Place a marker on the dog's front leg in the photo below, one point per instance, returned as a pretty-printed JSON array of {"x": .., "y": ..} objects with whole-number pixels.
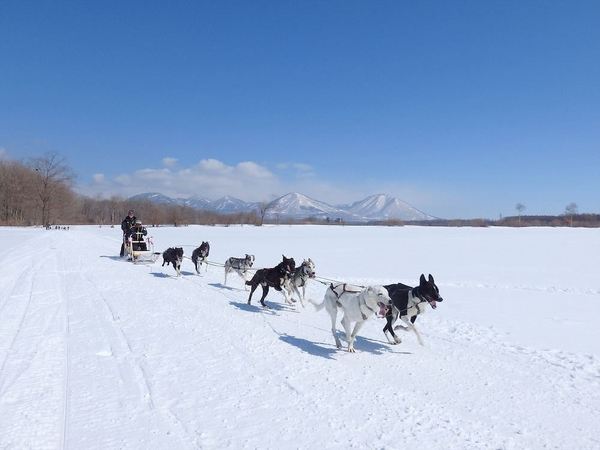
[
  {"x": 412, "y": 327},
  {"x": 357, "y": 328},
  {"x": 265, "y": 288},
  {"x": 286, "y": 296},
  {"x": 390, "y": 319},
  {"x": 346, "y": 325}
]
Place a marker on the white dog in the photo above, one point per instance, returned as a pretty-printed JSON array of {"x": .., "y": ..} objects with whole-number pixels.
[{"x": 357, "y": 305}]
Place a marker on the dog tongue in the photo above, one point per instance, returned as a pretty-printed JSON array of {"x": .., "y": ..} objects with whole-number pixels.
[{"x": 433, "y": 304}]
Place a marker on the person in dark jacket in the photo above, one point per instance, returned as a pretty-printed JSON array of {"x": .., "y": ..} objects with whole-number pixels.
[
  {"x": 137, "y": 233},
  {"x": 126, "y": 225}
]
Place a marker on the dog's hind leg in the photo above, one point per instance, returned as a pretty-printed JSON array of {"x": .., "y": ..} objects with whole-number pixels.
[
  {"x": 226, "y": 272},
  {"x": 254, "y": 286},
  {"x": 333, "y": 314}
]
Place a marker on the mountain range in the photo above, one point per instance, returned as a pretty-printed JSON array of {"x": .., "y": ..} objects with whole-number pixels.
[{"x": 299, "y": 206}]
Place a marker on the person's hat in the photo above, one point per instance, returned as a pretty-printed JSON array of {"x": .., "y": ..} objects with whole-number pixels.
[
  {"x": 131, "y": 211},
  {"x": 138, "y": 222}
]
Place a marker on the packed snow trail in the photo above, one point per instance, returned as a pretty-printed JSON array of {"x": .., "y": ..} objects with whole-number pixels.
[{"x": 96, "y": 352}]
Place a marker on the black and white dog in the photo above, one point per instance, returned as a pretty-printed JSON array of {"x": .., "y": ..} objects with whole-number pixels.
[
  {"x": 173, "y": 255},
  {"x": 407, "y": 303},
  {"x": 238, "y": 265},
  {"x": 199, "y": 255},
  {"x": 274, "y": 277},
  {"x": 298, "y": 279}
]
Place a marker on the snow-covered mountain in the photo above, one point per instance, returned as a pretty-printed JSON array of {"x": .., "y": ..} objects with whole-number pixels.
[
  {"x": 298, "y": 206},
  {"x": 156, "y": 197},
  {"x": 230, "y": 204},
  {"x": 198, "y": 202},
  {"x": 383, "y": 206},
  {"x": 295, "y": 205}
]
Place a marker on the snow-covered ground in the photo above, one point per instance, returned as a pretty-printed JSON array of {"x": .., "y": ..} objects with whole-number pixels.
[{"x": 96, "y": 352}]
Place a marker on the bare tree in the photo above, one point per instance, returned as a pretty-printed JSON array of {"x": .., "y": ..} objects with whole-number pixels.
[
  {"x": 571, "y": 210},
  {"x": 263, "y": 207},
  {"x": 53, "y": 174},
  {"x": 520, "y": 207}
]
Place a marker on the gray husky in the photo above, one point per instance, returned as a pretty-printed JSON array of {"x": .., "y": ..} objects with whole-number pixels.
[
  {"x": 239, "y": 265},
  {"x": 298, "y": 279}
]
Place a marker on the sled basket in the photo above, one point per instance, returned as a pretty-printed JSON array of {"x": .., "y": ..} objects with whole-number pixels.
[{"x": 142, "y": 251}]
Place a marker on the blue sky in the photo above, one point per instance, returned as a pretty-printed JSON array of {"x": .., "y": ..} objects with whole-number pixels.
[{"x": 461, "y": 108}]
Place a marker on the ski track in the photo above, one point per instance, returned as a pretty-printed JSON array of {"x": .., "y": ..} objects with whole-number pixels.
[{"x": 100, "y": 353}]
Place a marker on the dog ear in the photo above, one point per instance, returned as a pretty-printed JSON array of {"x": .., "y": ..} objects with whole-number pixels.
[
  {"x": 422, "y": 279},
  {"x": 431, "y": 279}
]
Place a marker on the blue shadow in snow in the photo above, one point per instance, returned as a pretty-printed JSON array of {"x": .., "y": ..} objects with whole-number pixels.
[
  {"x": 373, "y": 346},
  {"x": 252, "y": 308},
  {"x": 310, "y": 347},
  {"x": 160, "y": 275},
  {"x": 222, "y": 286}
]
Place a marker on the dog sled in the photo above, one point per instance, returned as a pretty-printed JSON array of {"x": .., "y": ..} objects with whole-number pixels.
[{"x": 141, "y": 251}]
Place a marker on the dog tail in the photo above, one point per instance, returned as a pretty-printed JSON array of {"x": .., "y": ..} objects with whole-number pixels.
[
  {"x": 251, "y": 281},
  {"x": 318, "y": 306}
]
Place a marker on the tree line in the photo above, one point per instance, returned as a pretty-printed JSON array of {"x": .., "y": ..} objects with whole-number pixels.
[{"x": 39, "y": 191}]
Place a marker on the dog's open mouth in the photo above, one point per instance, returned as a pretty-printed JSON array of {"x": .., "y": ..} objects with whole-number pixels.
[
  {"x": 383, "y": 309},
  {"x": 433, "y": 303}
]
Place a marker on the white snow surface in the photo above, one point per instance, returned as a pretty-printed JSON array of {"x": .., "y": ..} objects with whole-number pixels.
[{"x": 99, "y": 353}]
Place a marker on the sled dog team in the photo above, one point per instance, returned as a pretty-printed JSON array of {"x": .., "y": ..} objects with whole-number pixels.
[{"x": 357, "y": 304}]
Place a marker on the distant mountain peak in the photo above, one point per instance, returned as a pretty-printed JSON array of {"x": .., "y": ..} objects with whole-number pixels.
[{"x": 299, "y": 206}]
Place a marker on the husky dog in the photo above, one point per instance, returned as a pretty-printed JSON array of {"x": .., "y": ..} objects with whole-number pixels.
[
  {"x": 275, "y": 278},
  {"x": 407, "y": 303},
  {"x": 200, "y": 254},
  {"x": 357, "y": 305},
  {"x": 238, "y": 265},
  {"x": 299, "y": 278},
  {"x": 173, "y": 256}
]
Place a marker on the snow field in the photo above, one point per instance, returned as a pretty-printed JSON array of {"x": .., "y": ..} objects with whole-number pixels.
[{"x": 96, "y": 352}]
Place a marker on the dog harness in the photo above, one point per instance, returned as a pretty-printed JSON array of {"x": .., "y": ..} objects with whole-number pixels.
[
  {"x": 344, "y": 290},
  {"x": 361, "y": 303}
]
